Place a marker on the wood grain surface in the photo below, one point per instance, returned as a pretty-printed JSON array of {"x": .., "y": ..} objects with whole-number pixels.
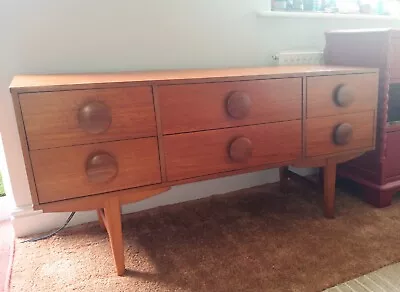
[
  {"x": 101, "y": 167},
  {"x": 35, "y": 83},
  {"x": 60, "y": 173},
  {"x": 25, "y": 148},
  {"x": 201, "y": 153},
  {"x": 329, "y": 188},
  {"x": 52, "y": 118},
  {"x": 194, "y": 107},
  {"x": 97, "y": 141},
  {"x": 320, "y": 133},
  {"x": 113, "y": 224},
  {"x": 321, "y": 99}
]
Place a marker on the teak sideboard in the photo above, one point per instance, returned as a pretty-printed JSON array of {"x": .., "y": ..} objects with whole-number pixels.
[{"x": 97, "y": 141}]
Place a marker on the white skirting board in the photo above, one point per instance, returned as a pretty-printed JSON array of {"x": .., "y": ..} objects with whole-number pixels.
[{"x": 26, "y": 221}]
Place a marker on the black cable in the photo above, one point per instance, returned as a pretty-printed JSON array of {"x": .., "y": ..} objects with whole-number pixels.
[{"x": 53, "y": 233}]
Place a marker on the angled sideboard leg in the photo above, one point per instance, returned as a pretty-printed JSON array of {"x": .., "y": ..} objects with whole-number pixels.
[
  {"x": 329, "y": 188},
  {"x": 100, "y": 215},
  {"x": 321, "y": 176},
  {"x": 112, "y": 221},
  {"x": 328, "y": 177},
  {"x": 283, "y": 178},
  {"x": 108, "y": 207}
]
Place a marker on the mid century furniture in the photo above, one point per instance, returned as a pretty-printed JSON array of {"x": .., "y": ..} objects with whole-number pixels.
[
  {"x": 377, "y": 172},
  {"x": 102, "y": 140}
]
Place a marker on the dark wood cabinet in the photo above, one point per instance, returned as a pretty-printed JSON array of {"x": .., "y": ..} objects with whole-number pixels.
[{"x": 378, "y": 172}]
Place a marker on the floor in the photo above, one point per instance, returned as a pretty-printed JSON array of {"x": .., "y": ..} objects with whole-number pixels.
[
  {"x": 6, "y": 253},
  {"x": 386, "y": 279},
  {"x": 252, "y": 240}
]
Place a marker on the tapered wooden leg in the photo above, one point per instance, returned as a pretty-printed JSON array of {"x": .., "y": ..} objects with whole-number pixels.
[
  {"x": 112, "y": 220},
  {"x": 329, "y": 189},
  {"x": 283, "y": 179},
  {"x": 321, "y": 176},
  {"x": 100, "y": 215}
]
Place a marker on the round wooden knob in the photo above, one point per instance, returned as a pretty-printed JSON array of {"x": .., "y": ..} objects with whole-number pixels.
[
  {"x": 344, "y": 95},
  {"x": 101, "y": 167},
  {"x": 342, "y": 134},
  {"x": 238, "y": 105},
  {"x": 94, "y": 117},
  {"x": 241, "y": 149}
]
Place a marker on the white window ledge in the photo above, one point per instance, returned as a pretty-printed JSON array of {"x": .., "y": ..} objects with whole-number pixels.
[{"x": 287, "y": 14}]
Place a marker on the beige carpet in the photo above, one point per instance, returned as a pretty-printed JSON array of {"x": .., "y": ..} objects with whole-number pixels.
[{"x": 252, "y": 240}]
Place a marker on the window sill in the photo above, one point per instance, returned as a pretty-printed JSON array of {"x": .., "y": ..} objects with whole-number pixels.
[{"x": 287, "y": 14}]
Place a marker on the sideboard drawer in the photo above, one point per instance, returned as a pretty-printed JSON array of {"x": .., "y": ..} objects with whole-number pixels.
[
  {"x": 201, "y": 153},
  {"x": 341, "y": 94},
  {"x": 194, "y": 107},
  {"x": 328, "y": 135},
  {"x": 66, "y": 118},
  {"x": 77, "y": 171}
]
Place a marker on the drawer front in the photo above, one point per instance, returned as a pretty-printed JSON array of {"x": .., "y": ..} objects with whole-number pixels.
[
  {"x": 341, "y": 94},
  {"x": 201, "y": 153},
  {"x": 77, "y": 171},
  {"x": 66, "y": 118},
  {"x": 194, "y": 107},
  {"x": 329, "y": 135}
]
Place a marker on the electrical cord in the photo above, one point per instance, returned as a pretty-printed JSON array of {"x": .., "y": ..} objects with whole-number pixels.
[{"x": 53, "y": 233}]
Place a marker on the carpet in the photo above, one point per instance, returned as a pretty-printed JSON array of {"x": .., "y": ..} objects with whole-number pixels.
[
  {"x": 256, "y": 239},
  {"x": 6, "y": 254}
]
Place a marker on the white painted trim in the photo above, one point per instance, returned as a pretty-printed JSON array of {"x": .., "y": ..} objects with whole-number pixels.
[
  {"x": 24, "y": 211},
  {"x": 27, "y": 221},
  {"x": 321, "y": 15}
]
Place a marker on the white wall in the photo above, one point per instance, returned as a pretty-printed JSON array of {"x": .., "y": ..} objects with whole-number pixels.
[{"x": 47, "y": 36}]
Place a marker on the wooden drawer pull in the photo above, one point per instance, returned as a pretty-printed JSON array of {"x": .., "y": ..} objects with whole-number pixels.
[
  {"x": 238, "y": 104},
  {"x": 343, "y": 96},
  {"x": 94, "y": 117},
  {"x": 241, "y": 149},
  {"x": 343, "y": 134},
  {"x": 101, "y": 167}
]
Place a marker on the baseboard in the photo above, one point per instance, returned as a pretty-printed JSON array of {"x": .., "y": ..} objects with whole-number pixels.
[{"x": 27, "y": 221}]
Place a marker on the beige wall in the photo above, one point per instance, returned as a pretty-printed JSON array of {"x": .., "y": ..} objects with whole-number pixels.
[{"x": 47, "y": 36}]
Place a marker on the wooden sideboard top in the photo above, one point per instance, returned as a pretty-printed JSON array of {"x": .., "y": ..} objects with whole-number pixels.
[
  {"x": 362, "y": 31},
  {"x": 37, "y": 83}
]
